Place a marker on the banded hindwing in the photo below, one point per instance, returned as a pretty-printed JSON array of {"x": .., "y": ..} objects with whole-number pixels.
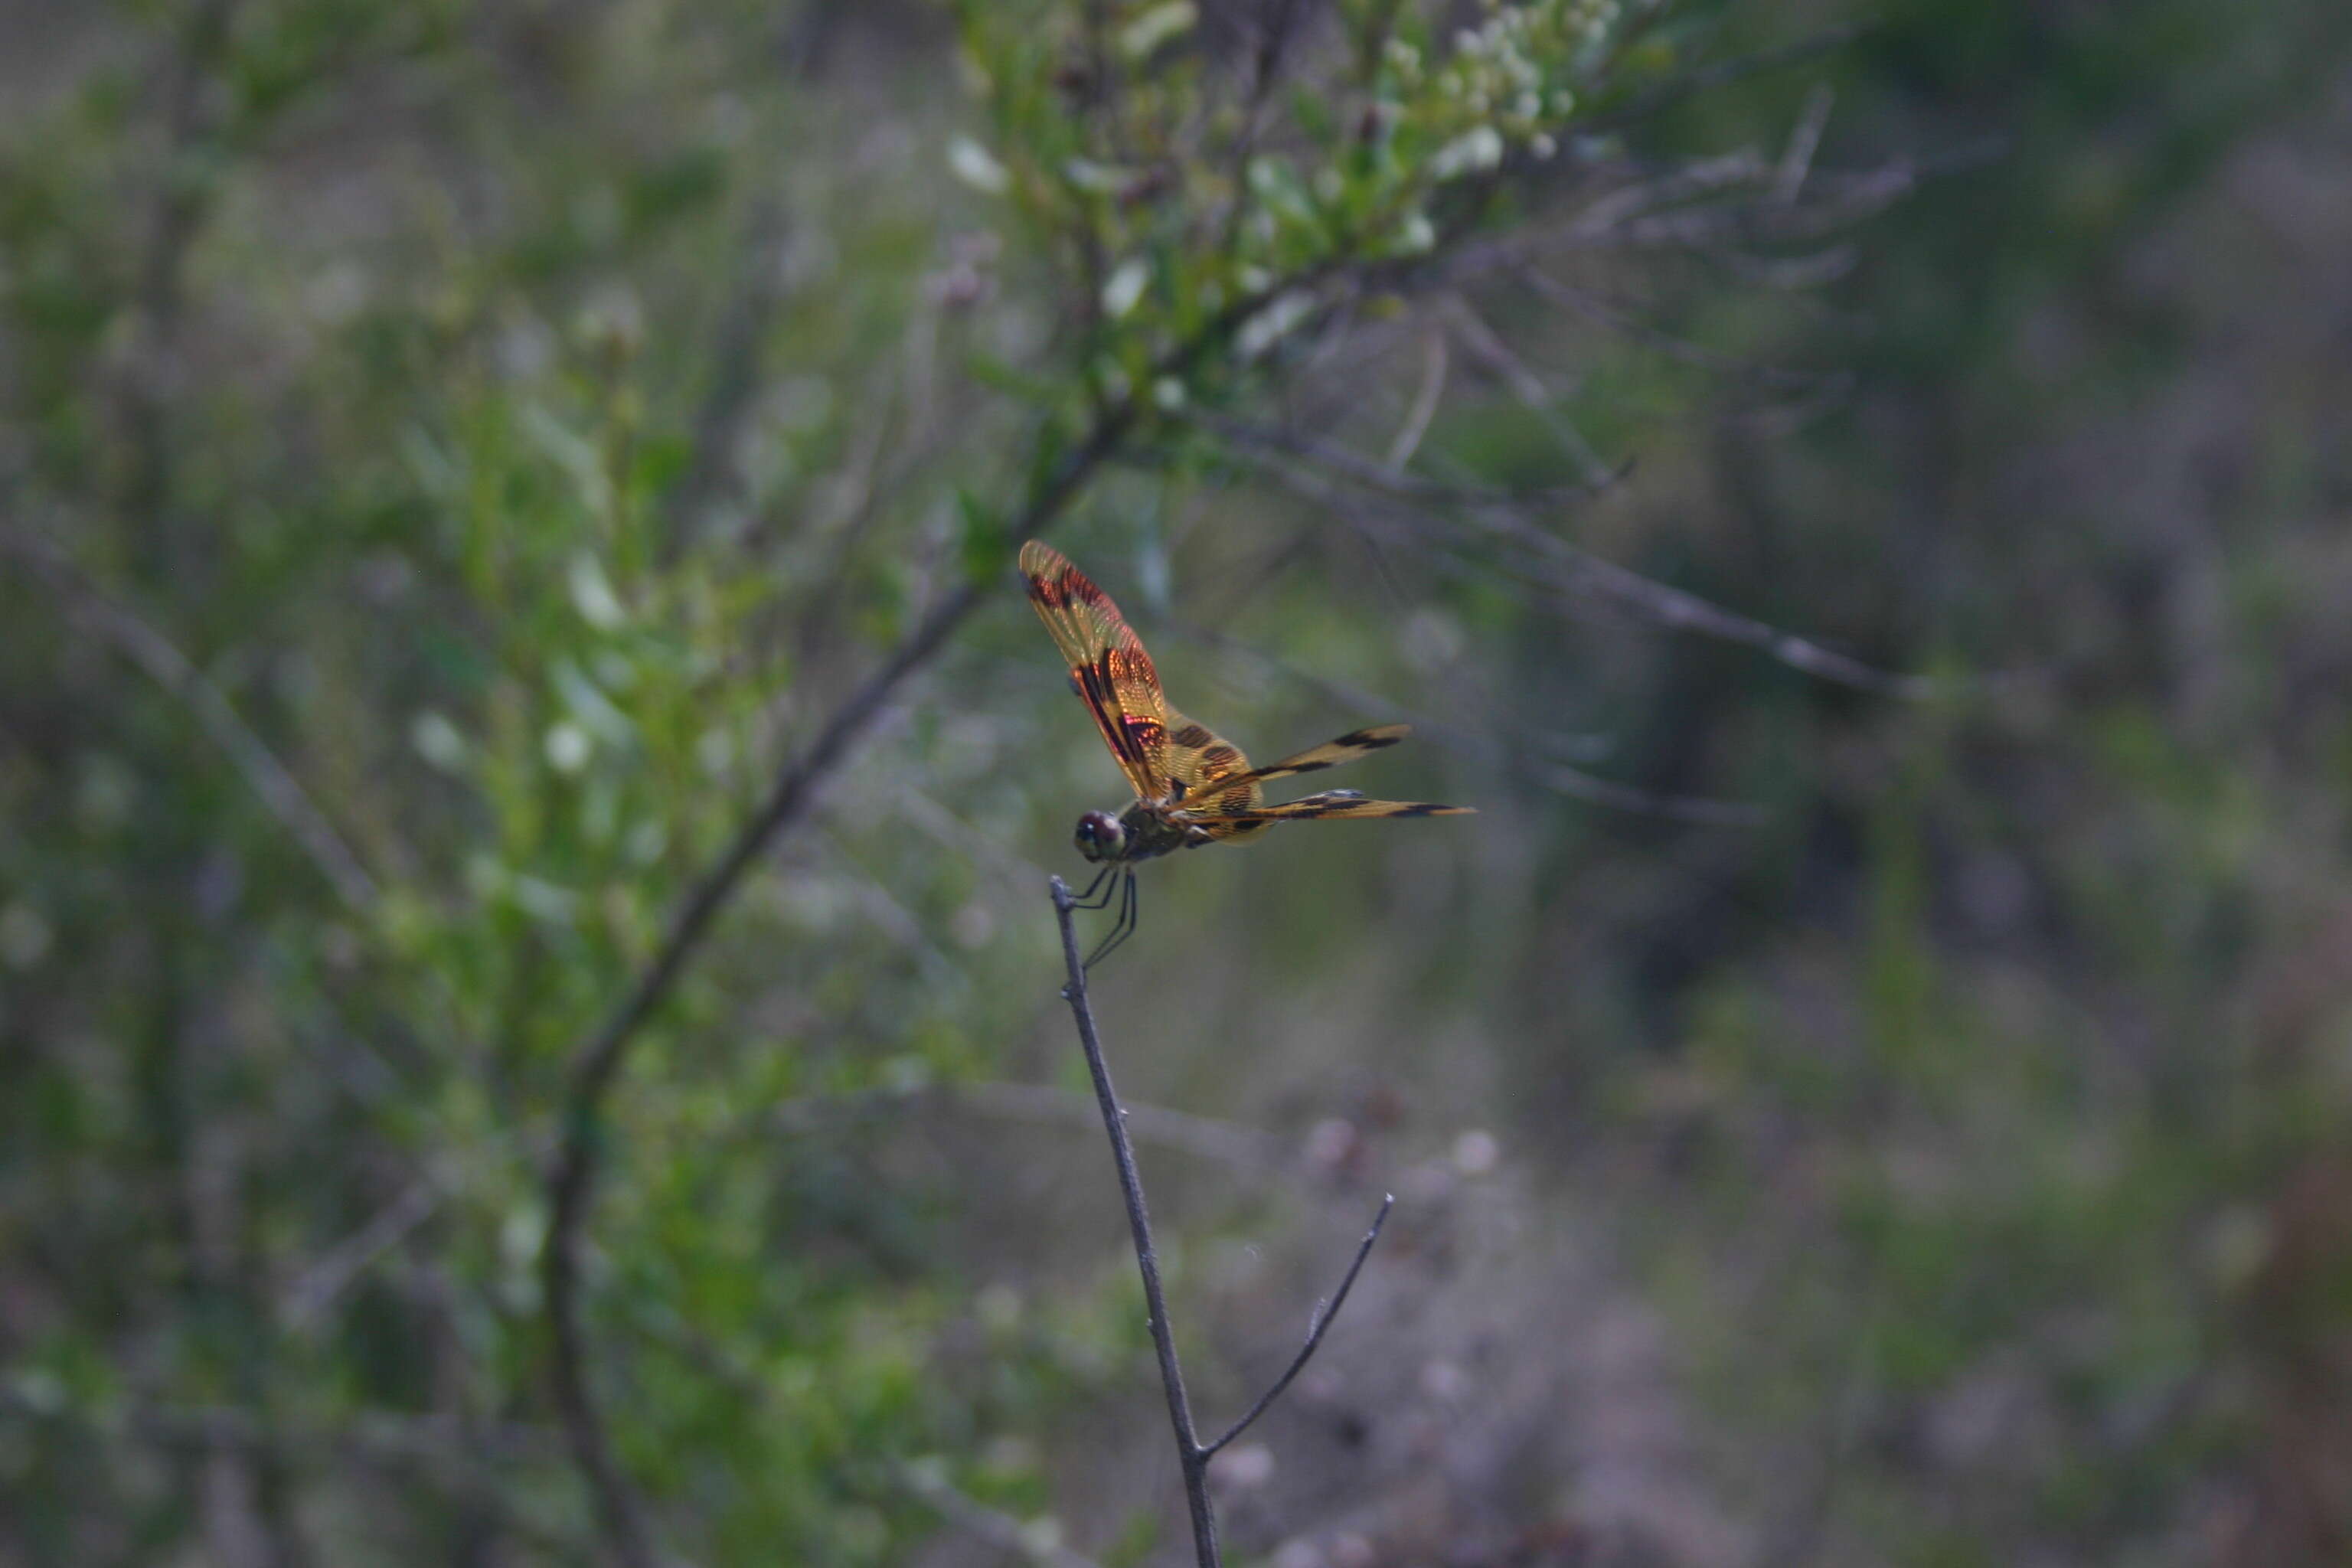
[
  {"x": 1347, "y": 748},
  {"x": 1332, "y": 805},
  {"x": 1208, "y": 767}
]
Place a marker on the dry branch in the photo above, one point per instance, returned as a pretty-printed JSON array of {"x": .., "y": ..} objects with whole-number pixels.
[{"x": 1192, "y": 1455}]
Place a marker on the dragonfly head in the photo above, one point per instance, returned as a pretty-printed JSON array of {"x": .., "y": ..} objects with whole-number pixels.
[{"x": 1100, "y": 837}]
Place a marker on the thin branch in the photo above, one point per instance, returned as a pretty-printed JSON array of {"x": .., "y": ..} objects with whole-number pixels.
[
  {"x": 1551, "y": 773},
  {"x": 1488, "y": 349},
  {"x": 301, "y": 1303},
  {"x": 1847, "y": 199},
  {"x": 1245, "y": 1148},
  {"x": 153, "y": 652},
  {"x": 1425, "y": 398},
  {"x": 1191, "y": 1456},
  {"x": 1565, "y": 570},
  {"x": 1797, "y": 161},
  {"x": 1374, "y": 475},
  {"x": 1318, "y": 1326},
  {"x": 1605, "y": 313},
  {"x": 982, "y": 1522},
  {"x": 1666, "y": 95},
  {"x": 303, "y": 1300}
]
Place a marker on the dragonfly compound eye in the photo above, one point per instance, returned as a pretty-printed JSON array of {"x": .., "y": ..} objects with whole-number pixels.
[{"x": 1100, "y": 837}]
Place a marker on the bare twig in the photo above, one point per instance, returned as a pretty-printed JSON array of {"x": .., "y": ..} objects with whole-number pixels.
[
  {"x": 1546, "y": 771},
  {"x": 1797, "y": 161},
  {"x": 1605, "y": 313},
  {"x": 1626, "y": 219},
  {"x": 1316, "y": 1327},
  {"x": 1407, "y": 440},
  {"x": 1229, "y": 1143},
  {"x": 1489, "y": 350},
  {"x": 1562, "y": 569},
  {"x": 1193, "y": 1458},
  {"x": 154, "y": 653},
  {"x": 1373, "y": 474},
  {"x": 1666, "y": 95},
  {"x": 1192, "y": 1455},
  {"x": 302, "y": 1302},
  {"x": 982, "y": 1522}
]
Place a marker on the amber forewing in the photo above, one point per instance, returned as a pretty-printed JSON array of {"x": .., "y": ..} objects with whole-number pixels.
[{"x": 1108, "y": 665}]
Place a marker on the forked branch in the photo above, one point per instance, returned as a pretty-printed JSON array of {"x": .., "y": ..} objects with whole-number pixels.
[
  {"x": 1192, "y": 1455},
  {"x": 1316, "y": 1328}
]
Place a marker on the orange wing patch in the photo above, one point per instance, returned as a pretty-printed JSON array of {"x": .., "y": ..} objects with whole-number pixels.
[{"x": 1108, "y": 668}]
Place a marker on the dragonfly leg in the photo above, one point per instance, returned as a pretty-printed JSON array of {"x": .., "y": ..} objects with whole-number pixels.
[
  {"x": 1098, "y": 891},
  {"x": 1122, "y": 928}
]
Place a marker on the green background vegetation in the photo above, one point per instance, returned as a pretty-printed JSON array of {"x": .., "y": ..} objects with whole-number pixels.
[{"x": 1880, "y": 1099}]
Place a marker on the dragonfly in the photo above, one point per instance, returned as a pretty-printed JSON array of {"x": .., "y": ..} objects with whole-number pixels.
[{"x": 1191, "y": 786}]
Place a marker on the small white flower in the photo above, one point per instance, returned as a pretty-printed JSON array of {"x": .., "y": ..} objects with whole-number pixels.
[
  {"x": 437, "y": 741},
  {"x": 1125, "y": 286},
  {"x": 593, "y": 596},
  {"x": 976, "y": 166},
  {"x": 567, "y": 747},
  {"x": 1478, "y": 148},
  {"x": 1141, "y": 36},
  {"x": 1274, "y": 323}
]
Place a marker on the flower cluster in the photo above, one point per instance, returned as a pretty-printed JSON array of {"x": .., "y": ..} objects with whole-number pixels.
[
  {"x": 1110, "y": 136},
  {"x": 1504, "y": 80}
]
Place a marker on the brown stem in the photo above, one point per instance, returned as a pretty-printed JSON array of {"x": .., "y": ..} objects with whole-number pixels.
[{"x": 1190, "y": 1454}]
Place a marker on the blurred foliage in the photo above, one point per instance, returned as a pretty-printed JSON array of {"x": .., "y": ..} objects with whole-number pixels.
[{"x": 524, "y": 423}]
